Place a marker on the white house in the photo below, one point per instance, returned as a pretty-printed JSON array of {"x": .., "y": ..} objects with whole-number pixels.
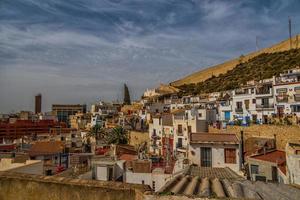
[
  {"x": 186, "y": 122},
  {"x": 215, "y": 150},
  {"x": 287, "y": 93}
]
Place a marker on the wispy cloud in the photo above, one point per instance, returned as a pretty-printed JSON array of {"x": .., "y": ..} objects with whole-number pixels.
[{"x": 86, "y": 49}]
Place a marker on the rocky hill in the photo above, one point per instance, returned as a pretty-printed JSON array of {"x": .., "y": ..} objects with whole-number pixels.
[
  {"x": 262, "y": 66},
  {"x": 229, "y": 65}
]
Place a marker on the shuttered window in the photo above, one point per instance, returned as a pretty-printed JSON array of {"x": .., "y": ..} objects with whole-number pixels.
[{"x": 230, "y": 155}]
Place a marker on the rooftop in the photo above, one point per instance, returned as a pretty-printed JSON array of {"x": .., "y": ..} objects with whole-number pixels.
[
  {"x": 220, "y": 138},
  {"x": 7, "y": 164},
  {"x": 272, "y": 156},
  {"x": 196, "y": 183},
  {"x": 46, "y": 148}
]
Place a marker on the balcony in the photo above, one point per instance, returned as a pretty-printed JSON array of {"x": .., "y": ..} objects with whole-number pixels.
[
  {"x": 297, "y": 97},
  {"x": 179, "y": 133},
  {"x": 282, "y": 98},
  {"x": 264, "y": 92},
  {"x": 239, "y": 110},
  {"x": 264, "y": 106}
]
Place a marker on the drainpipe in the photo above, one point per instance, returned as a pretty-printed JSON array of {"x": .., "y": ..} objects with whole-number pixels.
[{"x": 242, "y": 148}]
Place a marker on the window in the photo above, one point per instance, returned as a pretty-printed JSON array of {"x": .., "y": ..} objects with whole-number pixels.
[
  {"x": 239, "y": 105},
  {"x": 265, "y": 101},
  {"x": 179, "y": 143},
  {"x": 143, "y": 182},
  {"x": 254, "y": 101},
  {"x": 179, "y": 128},
  {"x": 254, "y": 169},
  {"x": 189, "y": 129},
  {"x": 206, "y": 157},
  {"x": 297, "y": 90},
  {"x": 200, "y": 114},
  {"x": 230, "y": 156},
  {"x": 281, "y": 91},
  {"x": 295, "y": 108},
  {"x": 247, "y": 104}
]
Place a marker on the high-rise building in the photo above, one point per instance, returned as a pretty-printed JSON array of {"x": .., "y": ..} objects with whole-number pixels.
[
  {"x": 38, "y": 103},
  {"x": 63, "y": 111}
]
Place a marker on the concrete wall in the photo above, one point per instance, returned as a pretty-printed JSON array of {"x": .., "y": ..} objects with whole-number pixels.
[
  {"x": 264, "y": 168},
  {"x": 33, "y": 187},
  {"x": 148, "y": 178},
  {"x": 293, "y": 163},
  {"x": 283, "y": 133}
]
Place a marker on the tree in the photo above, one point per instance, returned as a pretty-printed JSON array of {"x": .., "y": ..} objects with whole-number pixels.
[
  {"x": 97, "y": 131},
  {"x": 126, "y": 95},
  {"x": 117, "y": 135}
]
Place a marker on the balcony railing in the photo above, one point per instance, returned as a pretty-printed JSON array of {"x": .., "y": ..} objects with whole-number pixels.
[
  {"x": 296, "y": 97},
  {"x": 264, "y": 106},
  {"x": 239, "y": 110},
  {"x": 263, "y": 92},
  {"x": 282, "y": 98}
]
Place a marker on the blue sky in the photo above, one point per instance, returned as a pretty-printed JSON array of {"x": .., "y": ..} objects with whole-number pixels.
[{"x": 78, "y": 51}]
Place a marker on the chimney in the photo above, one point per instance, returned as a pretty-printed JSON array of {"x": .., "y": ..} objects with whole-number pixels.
[{"x": 275, "y": 141}]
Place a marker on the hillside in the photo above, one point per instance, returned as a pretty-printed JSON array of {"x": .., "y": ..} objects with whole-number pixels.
[
  {"x": 263, "y": 66},
  {"x": 224, "y": 67}
]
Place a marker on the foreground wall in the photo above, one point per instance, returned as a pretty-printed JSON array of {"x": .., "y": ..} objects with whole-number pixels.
[{"x": 15, "y": 186}]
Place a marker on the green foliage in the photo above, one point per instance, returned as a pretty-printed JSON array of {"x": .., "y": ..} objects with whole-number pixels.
[
  {"x": 97, "y": 131},
  {"x": 117, "y": 135},
  {"x": 126, "y": 95},
  {"x": 260, "y": 67}
]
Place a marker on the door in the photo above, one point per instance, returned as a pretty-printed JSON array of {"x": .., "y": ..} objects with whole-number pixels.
[
  {"x": 227, "y": 115},
  {"x": 274, "y": 174},
  {"x": 206, "y": 157},
  {"x": 110, "y": 174}
]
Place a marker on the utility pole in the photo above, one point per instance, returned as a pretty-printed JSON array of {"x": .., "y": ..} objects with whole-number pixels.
[
  {"x": 256, "y": 43},
  {"x": 290, "y": 31}
]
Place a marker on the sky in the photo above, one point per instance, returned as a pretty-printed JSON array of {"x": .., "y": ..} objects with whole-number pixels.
[{"x": 80, "y": 51}]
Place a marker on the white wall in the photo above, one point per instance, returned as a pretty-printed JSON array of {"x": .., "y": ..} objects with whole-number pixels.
[
  {"x": 218, "y": 158},
  {"x": 148, "y": 178},
  {"x": 102, "y": 173},
  {"x": 293, "y": 166}
]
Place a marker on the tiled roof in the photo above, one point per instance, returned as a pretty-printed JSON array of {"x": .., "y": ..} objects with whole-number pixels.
[
  {"x": 214, "y": 138},
  {"x": 46, "y": 148},
  {"x": 273, "y": 156},
  {"x": 128, "y": 157},
  {"x": 191, "y": 185}
]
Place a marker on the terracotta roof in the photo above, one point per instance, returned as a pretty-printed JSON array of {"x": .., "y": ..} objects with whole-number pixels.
[
  {"x": 213, "y": 138},
  {"x": 282, "y": 168},
  {"x": 273, "y": 156},
  {"x": 195, "y": 183},
  {"x": 46, "y": 148},
  {"x": 128, "y": 157}
]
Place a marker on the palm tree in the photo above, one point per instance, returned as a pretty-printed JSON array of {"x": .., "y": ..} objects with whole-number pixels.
[
  {"x": 117, "y": 135},
  {"x": 97, "y": 131}
]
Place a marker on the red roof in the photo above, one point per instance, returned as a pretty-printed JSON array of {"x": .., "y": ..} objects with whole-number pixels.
[
  {"x": 46, "y": 148},
  {"x": 214, "y": 138},
  {"x": 128, "y": 157},
  {"x": 273, "y": 156}
]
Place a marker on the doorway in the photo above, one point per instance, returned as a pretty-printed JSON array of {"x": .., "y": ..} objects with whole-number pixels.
[{"x": 206, "y": 157}]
